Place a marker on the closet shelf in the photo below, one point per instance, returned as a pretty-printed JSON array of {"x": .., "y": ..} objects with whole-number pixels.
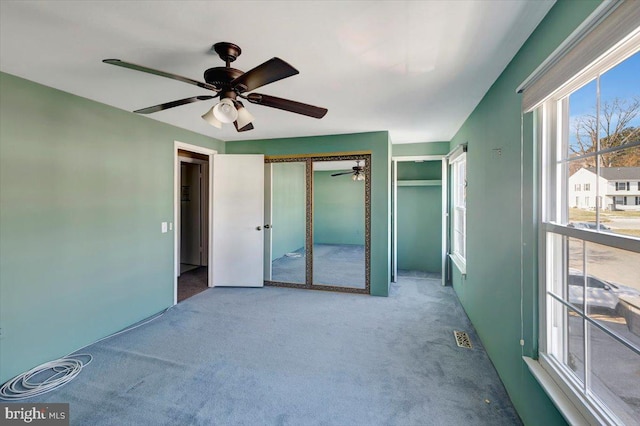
[{"x": 419, "y": 183}]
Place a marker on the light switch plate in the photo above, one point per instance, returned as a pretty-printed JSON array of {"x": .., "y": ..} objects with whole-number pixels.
[{"x": 164, "y": 227}]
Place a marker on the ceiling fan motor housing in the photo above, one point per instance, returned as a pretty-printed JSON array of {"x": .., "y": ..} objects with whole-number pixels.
[{"x": 222, "y": 77}]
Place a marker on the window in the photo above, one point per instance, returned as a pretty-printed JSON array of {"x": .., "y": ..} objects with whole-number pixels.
[
  {"x": 586, "y": 201},
  {"x": 637, "y": 201},
  {"x": 587, "y": 187},
  {"x": 623, "y": 186},
  {"x": 459, "y": 209},
  {"x": 590, "y": 339},
  {"x": 577, "y": 187}
]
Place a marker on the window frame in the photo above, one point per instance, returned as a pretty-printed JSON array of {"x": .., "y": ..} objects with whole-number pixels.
[
  {"x": 458, "y": 208},
  {"x": 550, "y": 133}
]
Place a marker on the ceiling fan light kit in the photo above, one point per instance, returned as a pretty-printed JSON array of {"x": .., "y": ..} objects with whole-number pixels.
[
  {"x": 210, "y": 118},
  {"x": 244, "y": 116},
  {"x": 225, "y": 111},
  {"x": 230, "y": 84}
]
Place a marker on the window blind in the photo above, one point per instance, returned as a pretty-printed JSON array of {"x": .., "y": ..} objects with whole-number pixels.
[{"x": 613, "y": 22}]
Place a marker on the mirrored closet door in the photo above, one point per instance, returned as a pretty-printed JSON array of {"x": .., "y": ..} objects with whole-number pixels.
[
  {"x": 285, "y": 231},
  {"x": 318, "y": 214}
]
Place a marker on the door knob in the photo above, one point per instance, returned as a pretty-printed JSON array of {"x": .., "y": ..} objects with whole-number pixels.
[
  {"x": 267, "y": 226},
  {"x": 258, "y": 228}
]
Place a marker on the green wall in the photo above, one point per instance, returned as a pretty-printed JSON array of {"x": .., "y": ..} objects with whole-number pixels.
[
  {"x": 83, "y": 190},
  {"x": 491, "y": 292},
  {"x": 338, "y": 209},
  {"x": 288, "y": 208},
  {"x": 421, "y": 148},
  {"x": 379, "y": 145},
  {"x": 427, "y": 170}
]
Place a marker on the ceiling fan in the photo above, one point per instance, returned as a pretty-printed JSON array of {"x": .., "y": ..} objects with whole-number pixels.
[
  {"x": 230, "y": 84},
  {"x": 357, "y": 171}
]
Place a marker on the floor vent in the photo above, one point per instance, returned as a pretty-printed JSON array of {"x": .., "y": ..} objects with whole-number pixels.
[{"x": 462, "y": 339}]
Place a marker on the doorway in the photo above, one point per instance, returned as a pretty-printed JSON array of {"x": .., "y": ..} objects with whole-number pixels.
[
  {"x": 192, "y": 206},
  {"x": 417, "y": 216},
  {"x": 193, "y": 224}
]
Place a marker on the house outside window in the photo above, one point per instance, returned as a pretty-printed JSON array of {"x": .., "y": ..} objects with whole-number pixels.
[
  {"x": 459, "y": 210},
  {"x": 605, "y": 179},
  {"x": 589, "y": 280},
  {"x": 577, "y": 187}
]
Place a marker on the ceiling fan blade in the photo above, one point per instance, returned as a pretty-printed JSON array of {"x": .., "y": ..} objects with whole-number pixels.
[
  {"x": 245, "y": 128},
  {"x": 142, "y": 68},
  {"x": 343, "y": 173},
  {"x": 172, "y": 104},
  {"x": 273, "y": 70},
  {"x": 287, "y": 105}
]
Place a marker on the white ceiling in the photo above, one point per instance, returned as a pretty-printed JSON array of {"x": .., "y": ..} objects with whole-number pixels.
[{"x": 415, "y": 68}]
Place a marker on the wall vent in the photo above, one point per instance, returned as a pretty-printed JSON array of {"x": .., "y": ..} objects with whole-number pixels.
[{"x": 462, "y": 339}]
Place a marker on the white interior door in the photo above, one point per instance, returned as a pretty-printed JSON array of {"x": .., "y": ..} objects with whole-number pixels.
[{"x": 238, "y": 221}]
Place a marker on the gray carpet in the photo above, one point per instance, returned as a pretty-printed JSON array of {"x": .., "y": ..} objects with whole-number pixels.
[
  {"x": 339, "y": 265},
  {"x": 279, "y": 356}
]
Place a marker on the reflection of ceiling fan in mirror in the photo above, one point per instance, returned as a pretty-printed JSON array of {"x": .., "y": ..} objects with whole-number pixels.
[
  {"x": 229, "y": 84},
  {"x": 357, "y": 172}
]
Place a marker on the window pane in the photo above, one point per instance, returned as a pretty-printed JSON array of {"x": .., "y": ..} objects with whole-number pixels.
[
  {"x": 581, "y": 195},
  {"x": 614, "y": 378},
  {"x": 572, "y": 354},
  {"x": 613, "y": 290},
  {"x": 582, "y": 124},
  {"x": 575, "y": 344},
  {"x": 575, "y": 274},
  {"x": 620, "y": 103},
  {"x": 620, "y": 188}
]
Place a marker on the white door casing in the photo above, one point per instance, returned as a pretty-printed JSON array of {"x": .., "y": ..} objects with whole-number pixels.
[
  {"x": 268, "y": 242},
  {"x": 237, "y": 230},
  {"x": 176, "y": 207}
]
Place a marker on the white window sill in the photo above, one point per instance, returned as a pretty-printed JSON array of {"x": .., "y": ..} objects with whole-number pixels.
[
  {"x": 460, "y": 263},
  {"x": 566, "y": 401}
]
